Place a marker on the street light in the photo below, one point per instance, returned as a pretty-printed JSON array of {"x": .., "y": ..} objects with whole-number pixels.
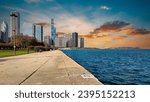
[
  {"x": 14, "y": 30},
  {"x": 14, "y": 42}
]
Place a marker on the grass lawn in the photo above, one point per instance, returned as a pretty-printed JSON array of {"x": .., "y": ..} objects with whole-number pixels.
[{"x": 6, "y": 53}]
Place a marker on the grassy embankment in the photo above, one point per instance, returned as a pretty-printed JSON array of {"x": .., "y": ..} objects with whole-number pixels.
[{"x": 7, "y": 53}]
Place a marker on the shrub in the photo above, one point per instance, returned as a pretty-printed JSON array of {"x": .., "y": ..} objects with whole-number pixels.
[
  {"x": 5, "y": 46},
  {"x": 39, "y": 48}
]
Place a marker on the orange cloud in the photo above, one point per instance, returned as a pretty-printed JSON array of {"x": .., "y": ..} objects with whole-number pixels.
[
  {"x": 140, "y": 32},
  {"x": 127, "y": 30},
  {"x": 147, "y": 38},
  {"x": 90, "y": 36},
  {"x": 125, "y": 38},
  {"x": 135, "y": 31},
  {"x": 114, "y": 26},
  {"x": 120, "y": 26},
  {"x": 120, "y": 37},
  {"x": 60, "y": 33},
  {"x": 114, "y": 42}
]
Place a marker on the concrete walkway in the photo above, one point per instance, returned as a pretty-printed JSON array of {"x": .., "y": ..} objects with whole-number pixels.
[{"x": 46, "y": 68}]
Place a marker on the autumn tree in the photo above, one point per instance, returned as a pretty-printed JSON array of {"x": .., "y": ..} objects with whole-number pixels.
[{"x": 24, "y": 41}]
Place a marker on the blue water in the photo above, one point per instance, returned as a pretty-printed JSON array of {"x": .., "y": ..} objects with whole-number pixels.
[{"x": 115, "y": 67}]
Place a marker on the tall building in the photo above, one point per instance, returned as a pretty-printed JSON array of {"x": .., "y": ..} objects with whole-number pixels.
[
  {"x": 68, "y": 40},
  {"x": 47, "y": 40},
  {"x": 59, "y": 42},
  {"x": 53, "y": 32},
  {"x": 59, "y": 39},
  {"x": 75, "y": 39},
  {"x": 4, "y": 32},
  {"x": 81, "y": 42},
  {"x": 14, "y": 23},
  {"x": 42, "y": 31},
  {"x": 34, "y": 30}
]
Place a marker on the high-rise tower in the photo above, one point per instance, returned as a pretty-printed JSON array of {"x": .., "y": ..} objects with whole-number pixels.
[
  {"x": 4, "y": 31},
  {"x": 14, "y": 23},
  {"x": 81, "y": 42},
  {"x": 75, "y": 39},
  {"x": 53, "y": 32}
]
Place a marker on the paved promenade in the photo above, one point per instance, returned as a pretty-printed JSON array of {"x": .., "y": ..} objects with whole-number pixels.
[{"x": 45, "y": 68}]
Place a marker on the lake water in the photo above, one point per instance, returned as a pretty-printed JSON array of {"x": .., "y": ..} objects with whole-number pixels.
[{"x": 115, "y": 66}]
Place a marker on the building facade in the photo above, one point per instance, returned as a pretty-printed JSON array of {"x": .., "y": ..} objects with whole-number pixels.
[
  {"x": 68, "y": 40},
  {"x": 14, "y": 23},
  {"x": 81, "y": 42},
  {"x": 75, "y": 39},
  {"x": 53, "y": 32},
  {"x": 59, "y": 41},
  {"x": 4, "y": 32}
]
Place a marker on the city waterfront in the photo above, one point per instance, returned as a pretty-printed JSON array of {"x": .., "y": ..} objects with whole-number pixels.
[
  {"x": 115, "y": 66},
  {"x": 62, "y": 24}
]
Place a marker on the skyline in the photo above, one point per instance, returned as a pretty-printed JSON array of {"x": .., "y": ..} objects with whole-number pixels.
[{"x": 88, "y": 19}]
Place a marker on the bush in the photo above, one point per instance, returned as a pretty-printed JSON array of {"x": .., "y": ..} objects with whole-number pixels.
[
  {"x": 5, "y": 46},
  {"x": 39, "y": 48},
  {"x": 30, "y": 47}
]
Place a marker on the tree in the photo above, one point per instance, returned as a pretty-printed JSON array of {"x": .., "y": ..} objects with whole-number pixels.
[{"x": 22, "y": 41}]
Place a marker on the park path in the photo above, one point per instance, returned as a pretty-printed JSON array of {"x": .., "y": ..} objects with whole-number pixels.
[{"x": 45, "y": 68}]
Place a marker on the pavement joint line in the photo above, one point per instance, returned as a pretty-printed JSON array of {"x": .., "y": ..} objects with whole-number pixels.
[
  {"x": 33, "y": 72},
  {"x": 67, "y": 71}
]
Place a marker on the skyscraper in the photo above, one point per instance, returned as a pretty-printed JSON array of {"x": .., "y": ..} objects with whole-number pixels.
[
  {"x": 4, "y": 32},
  {"x": 14, "y": 23},
  {"x": 34, "y": 30},
  {"x": 68, "y": 40},
  {"x": 81, "y": 42},
  {"x": 75, "y": 39},
  {"x": 53, "y": 32}
]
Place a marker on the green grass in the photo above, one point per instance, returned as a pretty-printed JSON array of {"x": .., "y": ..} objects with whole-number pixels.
[{"x": 7, "y": 53}]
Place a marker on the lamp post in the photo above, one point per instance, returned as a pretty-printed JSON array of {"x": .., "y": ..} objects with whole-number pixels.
[
  {"x": 14, "y": 30},
  {"x": 14, "y": 42}
]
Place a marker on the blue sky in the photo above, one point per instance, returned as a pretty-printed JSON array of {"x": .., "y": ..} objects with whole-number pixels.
[{"x": 82, "y": 16}]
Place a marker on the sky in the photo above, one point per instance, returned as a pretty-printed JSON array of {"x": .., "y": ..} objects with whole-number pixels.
[{"x": 103, "y": 23}]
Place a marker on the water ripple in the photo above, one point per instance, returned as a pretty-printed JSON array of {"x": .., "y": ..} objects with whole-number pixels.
[{"x": 115, "y": 67}]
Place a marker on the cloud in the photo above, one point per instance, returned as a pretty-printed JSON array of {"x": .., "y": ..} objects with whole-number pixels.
[
  {"x": 104, "y": 8},
  {"x": 120, "y": 37},
  {"x": 29, "y": 16},
  {"x": 110, "y": 41},
  {"x": 111, "y": 26},
  {"x": 49, "y": 0},
  {"x": 56, "y": 8},
  {"x": 115, "y": 25},
  {"x": 32, "y": 1},
  {"x": 140, "y": 32},
  {"x": 135, "y": 31},
  {"x": 147, "y": 39},
  {"x": 91, "y": 36},
  {"x": 16, "y": 9},
  {"x": 120, "y": 27},
  {"x": 104, "y": 36},
  {"x": 37, "y": 1},
  {"x": 69, "y": 23},
  {"x": 117, "y": 34}
]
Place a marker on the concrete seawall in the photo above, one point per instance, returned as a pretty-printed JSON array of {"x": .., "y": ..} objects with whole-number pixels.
[{"x": 46, "y": 68}]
